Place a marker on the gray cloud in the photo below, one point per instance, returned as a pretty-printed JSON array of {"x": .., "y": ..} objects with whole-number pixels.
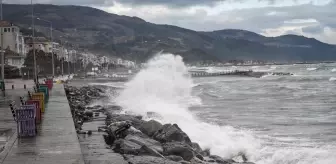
[
  {"x": 254, "y": 19},
  {"x": 170, "y": 3},
  {"x": 313, "y": 29},
  {"x": 63, "y": 2}
]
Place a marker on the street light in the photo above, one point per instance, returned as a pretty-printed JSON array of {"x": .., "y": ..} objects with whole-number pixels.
[
  {"x": 33, "y": 37},
  {"x": 52, "y": 46},
  {"x": 2, "y": 52}
]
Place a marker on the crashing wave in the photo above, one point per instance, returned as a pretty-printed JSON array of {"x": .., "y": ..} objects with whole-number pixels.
[{"x": 311, "y": 69}]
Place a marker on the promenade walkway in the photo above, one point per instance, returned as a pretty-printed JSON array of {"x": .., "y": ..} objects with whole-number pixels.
[{"x": 56, "y": 141}]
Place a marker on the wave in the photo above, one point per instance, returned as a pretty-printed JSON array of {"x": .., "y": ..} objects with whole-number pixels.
[
  {"x": 333, "y": 70},
  {"x": 332, "y": 79},
  {"x": 164, "y": 89},
  {"x": 311, "y": 69},
  {"x": 113, "y": 85}
]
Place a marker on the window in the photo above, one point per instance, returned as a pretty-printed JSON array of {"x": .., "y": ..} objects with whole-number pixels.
[
  {"x": 13, "y": 29},
  {"x": 5, "y": 29},
  {"x": 8, "y": 29}
]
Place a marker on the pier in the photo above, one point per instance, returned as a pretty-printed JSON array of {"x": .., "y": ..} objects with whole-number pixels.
[
  {"x": 248, "y": 73},
  {"x": 56, "y": 140}
]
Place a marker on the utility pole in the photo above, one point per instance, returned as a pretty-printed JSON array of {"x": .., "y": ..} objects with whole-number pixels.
[
  {"x": 2, "y": 51},
  {"x": 62, "y": 58},
  {"x": 75, "y": 62},
  {"x": 52, "y": 51},
  {"x": 33, "y": 31},
  {"x": 52, "y": 46},
  {"x": 68, "y": 64}
]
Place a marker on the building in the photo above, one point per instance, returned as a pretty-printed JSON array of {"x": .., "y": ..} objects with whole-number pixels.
[
  {"x": 12, "y": 38},
  {"x": 41, "y": 43},
  {"x": 16, "y": 61}
]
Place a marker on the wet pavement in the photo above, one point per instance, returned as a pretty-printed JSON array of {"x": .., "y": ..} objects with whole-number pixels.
[
  {"x": 94, "y": 149},
  {"x": 56, "y": 140},
  {"x": 7, "y": 123}
]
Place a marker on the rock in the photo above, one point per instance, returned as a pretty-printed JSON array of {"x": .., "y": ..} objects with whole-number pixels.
[
  {"x": 145, "y": 150},
  {"x": 147, "y": 160},
  {"x": 169, "y": 133},
  {"x": 174, "y": 158},
  {"x": 81, "y": 132},
  {"x": 196, "y": 147},
  {"x": 205, "y": 152},
  {"x": 196, "y": 161},
  {"x": 119, "y": 129},
  {"x": 89, "y": 113},
  {"x": 139, "y": 117},
  {"x": 2, "y": 148},
  {"x": 150, "y": 127},
  {"x": 123, "y": 146},
  {"x": 109, "y": 139},
  {"x": 180, "y": 149},
  {"x": 134, "y": 131},
  {"x": 199, "y": 157},
  {"x": 89, "y": 132},
  {"x": 153, "y": 115},
  {"x": 220, "y": 160},
  {"x": 112, "y": 108},
  {"x": 134, "y": 120},
  {"x": 209, "y": 160},
  {"x": 143, "y": 140}
]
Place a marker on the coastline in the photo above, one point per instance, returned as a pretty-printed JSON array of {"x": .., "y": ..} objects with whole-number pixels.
[{"x": 129, "y": 138}]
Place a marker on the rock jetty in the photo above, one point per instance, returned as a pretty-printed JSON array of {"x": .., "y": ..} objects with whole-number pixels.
[{"x": 137, "y": 140}]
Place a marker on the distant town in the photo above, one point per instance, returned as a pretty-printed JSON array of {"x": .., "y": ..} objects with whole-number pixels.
[{"x": 17, "y": 47}]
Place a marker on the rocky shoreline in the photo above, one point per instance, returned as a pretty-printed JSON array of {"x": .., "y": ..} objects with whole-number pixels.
[{"x": 136, "y": 140}]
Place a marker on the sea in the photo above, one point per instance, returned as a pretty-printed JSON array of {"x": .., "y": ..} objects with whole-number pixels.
[{"x": 272, "y": 119}]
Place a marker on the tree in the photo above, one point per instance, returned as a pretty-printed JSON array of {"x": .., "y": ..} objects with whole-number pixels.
[{"x": 43, "y": 61}]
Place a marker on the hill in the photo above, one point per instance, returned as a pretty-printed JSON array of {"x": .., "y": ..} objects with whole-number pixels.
[{"x": 134, "y": 38}]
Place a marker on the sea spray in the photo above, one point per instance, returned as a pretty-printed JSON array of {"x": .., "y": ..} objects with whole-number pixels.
[{"x": 164, "y": 87}]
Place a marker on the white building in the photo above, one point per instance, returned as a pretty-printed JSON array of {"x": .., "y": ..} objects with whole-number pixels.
[
  {"x": 43, "y": 44},
  {"x": 16, "y": 61},
  {"x": 12, "y": 38}
]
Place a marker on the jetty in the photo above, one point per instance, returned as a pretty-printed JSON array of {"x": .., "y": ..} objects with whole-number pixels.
[{"x": 248, "y": 73}]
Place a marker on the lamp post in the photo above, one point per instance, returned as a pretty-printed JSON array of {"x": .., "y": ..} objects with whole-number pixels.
[
  {"x": 2, "y": 52},
  {"x": 52, "y": 46},
  {"x": 33, "y": 37}
]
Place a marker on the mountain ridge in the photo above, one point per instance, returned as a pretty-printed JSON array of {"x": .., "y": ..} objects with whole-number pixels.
[{"x": 136, "y": 39}]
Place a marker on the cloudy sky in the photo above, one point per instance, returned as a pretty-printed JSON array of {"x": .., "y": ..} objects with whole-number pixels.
[{"x": 311, "y": 18}]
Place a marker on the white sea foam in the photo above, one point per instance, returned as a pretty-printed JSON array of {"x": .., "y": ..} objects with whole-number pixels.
[
  {"x": 332, "y": 79},
  {"x": 165, "y": 88},
  {"x": 333, "y": 70},
  {"x": 311, "y": 69},
  {"x": 273, "y": 67}
]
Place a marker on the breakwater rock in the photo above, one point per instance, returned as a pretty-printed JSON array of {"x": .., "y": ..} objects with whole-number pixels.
[
  {"x": 138, "y": 141},
  {"x": 248, "y": 73}
]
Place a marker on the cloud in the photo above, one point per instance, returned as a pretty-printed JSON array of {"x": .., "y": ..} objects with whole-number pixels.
[
  {"x": 311, "y": 18},
  {"x": 63, "y": 2},
  {"x": 169, "y": 3},
  {"x": 313, "y": 29}
]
